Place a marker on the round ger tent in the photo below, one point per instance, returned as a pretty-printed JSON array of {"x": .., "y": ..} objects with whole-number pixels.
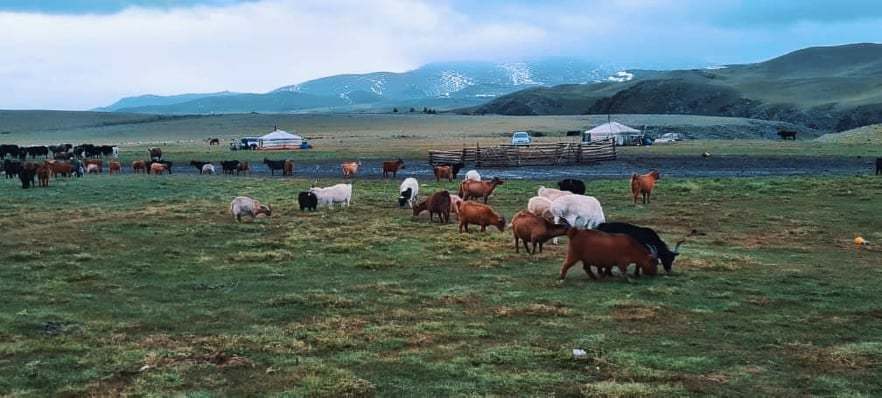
[
  {"x": 279, "y": 139},
  {"x": 621, "y": 134}
]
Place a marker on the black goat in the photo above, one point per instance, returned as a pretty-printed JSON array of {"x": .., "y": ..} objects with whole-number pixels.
[
  {"x": 230, "y": 166},
  {"x": 572, "y": 185},
  {"x": 647, "y": 237},
  {"x": 307, "y": 200}
]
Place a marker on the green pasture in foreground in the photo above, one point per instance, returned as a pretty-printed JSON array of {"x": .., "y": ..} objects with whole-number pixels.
[{"x": 144, "y": 286}]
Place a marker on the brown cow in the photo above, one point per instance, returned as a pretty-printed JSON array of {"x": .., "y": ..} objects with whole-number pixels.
[
  {"x": 392, "y": 167},
  {"x": 43, "y": 174},
  {"x": 643, "y": 184},
  {"x": 478, "y": 189},
  {"x": 61, "y": 168},
  {"x": 115, "y": 167}
]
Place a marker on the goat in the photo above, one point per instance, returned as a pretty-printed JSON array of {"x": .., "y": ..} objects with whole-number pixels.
[
  {"x": 139, "y": 166},
  {"x": 533, "y": 229},
  {"x": 288, "y": 168},
  {"x": 166, "y": 163},
  {"x": 540, "y": 206},
  {"x": 455, "y": 201},
  {"x": 157, "y": 168},
  {"x": 307, "y": 201},
  {"x": 572, "y": 185},
  {"x": 198, "y": 164},
  {"x": 478, "y": 189},
  {"x": 274, "y": 165},
  {"x": 97, "y": 162},
  {"x": 230, "y": 166},
  {"x": 473, "y": 175},
  {"x": 643, "y": 184},
  {"x": 207, "y": 168},
  {"x": 92, "y": 168},
  {"x": 408, "y": 192},
  {"x": 551, "y": 193},
  {"x": 606, "y": 251},
  {"x": 647, "y": 237},
  {"x": 11, "y": 168},
  {"x": 340, "y": 193},
  {"x": 62, "y": 169},
  {"x": 392, "y": 167},
  {"x": 155, "y": 154},
  {"x": 26, "y": 174},
  {"x": 580, "y": 211},
  {"x": 480, "y": 214},
  {"x": 437, "y": 203},
  {"x": 245, "y": 206},
  {"x": 115, "y": 167},
  {"x": 244, "y": 168},
  {"x": 349, "y": 169},
  {"x": 43, "y": 172}
]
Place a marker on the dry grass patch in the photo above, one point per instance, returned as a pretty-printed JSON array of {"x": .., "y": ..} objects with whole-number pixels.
[{"x": 553, "y": 309}]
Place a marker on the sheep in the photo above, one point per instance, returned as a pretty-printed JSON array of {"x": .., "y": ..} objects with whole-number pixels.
[
  {"x": 643, "y": 184},
  {"x": 245, "y": 206},
  {"x": 473, "y": 175},
  {"x": 606, "y": 251},
  {"x": 480, "y": 214},
  {"x": 207, "y": 168},
  {"x": 647, "y": 237},
  {"x": 340, "y": 193},
  {"x": 573, "y": 185},
  {"x": 307, "y": 201},
  {"x": 408, "y": 192},
  {"x": 528, "y": 227},
  {"x": 551, "y": 193},
  {"x": 540, "y": 206},
  {"x": 437, "y": 203},
  {"x": 478, "y": 189},
  {"x": 580, "y": 211}
]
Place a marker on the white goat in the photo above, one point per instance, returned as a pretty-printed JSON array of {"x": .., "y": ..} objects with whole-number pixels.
[
  {"x": 245, "y": 206},
  {"x": 408, "y": 192},
  {"x": 455, "y": 201},
  {"x": 580, "y": 211},
  {"x": 473, "y": 175},
  {"x": 340, "y": 193},
  {"x": 208, "y": 169},
  {"x": 551, "y": 193},
  {"x": 540, "y": 206}
]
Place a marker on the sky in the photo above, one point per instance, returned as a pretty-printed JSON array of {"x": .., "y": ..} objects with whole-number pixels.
[{"x": 82, "y": 54}]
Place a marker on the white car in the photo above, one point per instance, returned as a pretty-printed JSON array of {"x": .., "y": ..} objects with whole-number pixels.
[
  {"x": 667, "y": 138},
  {"x": 521, "y": 138}
]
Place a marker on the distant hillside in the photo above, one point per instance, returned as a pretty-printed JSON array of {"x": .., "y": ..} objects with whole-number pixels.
[
  {"x": 439, "y": 85},
  {"x": 828, "y": 88},
  {"x": 871, "y": 134}
]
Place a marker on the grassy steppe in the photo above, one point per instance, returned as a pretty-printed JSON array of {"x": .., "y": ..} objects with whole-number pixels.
[{"x": 144, "y": 286}]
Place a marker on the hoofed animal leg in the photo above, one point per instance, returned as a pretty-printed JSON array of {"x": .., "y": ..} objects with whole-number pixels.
[{"x": 565, "y": 267}]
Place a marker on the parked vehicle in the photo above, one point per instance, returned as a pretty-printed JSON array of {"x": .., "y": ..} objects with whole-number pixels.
[
  {"x": 668, "y": 138},
  {"x": 521, "y": 138},
  {"x": 245, "y": 144}
]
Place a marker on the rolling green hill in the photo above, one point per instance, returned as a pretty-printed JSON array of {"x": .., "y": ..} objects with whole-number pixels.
[{"x": 826, "y": 88}]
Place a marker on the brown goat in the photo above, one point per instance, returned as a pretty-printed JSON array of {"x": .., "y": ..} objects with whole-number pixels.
[
  {"x": 115, "y": 167},
  {"x": 392, "y": 167},
  {"x": 97, "y": 162},
  {"x": 243, "y": 167},
  {"x": 605, "y": 251},
  {"x": 158, "y": 168},
  {"x": 480, "y": 214},
  {"x": 438, "y": 203},
  {"x": 443, "y": 172},
  {"x": 349, "y": 168},
  {"x": 528, "y": 227},
  {"x": 139, "y": 166},
  {"x": 43, "y": 174},
  {"x": 643, "y": 184},
  {"x": 288, "y": 170},
  {"x": 61, "y": 168},
  {"x": 469, "y": 189}
]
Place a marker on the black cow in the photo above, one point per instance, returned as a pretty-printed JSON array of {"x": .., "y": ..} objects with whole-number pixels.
[
  {"x": 787, "y": 134},
  {"x": 35, "y": 151},
  {"x": 572, "y": 185},
  {"x": 28, "y": 175},
  {"x": 11, "y": 150},
  {"x": 63, "y": 155},
  {"x": 105, "y": 150},
  {"x": 274, "y": 165},
  {"x": 647, "y": 237},
  {"x": 878, "y": 166},
  {"x": 56, "y": 149},
  {"x": 454, "y": 168},
  {"x": 307, "y": 200},
  {"x": 11, "y": 167},
  {"x": 230, "y": 166}
]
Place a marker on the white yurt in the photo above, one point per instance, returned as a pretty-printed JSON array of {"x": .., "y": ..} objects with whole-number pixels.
[
  {"x": 621, "y": 134},
  {"x": 279, "y": 139}
]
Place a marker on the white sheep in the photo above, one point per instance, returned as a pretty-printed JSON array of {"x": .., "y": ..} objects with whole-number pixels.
[
  {"x": 580, "y": 211},
  {"x": 408, "y": 192},
  {"x": 551, "y": 193},
  {"x": 340, "y": 193},
  {"x": 473, "y": 175},
  {"x": 208, "y": 169},
  {"x": 245, "y": 206},
  {"x": 540, "y": 206}
]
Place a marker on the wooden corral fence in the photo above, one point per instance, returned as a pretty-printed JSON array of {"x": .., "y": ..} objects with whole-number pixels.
[{"x": 528, "y": 155}]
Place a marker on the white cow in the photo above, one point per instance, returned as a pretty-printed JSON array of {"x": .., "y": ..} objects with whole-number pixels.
[{"x": 340, "y": 193}]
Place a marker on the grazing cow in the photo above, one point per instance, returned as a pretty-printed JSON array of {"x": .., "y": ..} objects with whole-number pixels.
[
  {"x": 307, "y": 201},
  {"x": 157, "y": 168},
  {"x": 878, "y": 166},
  {"x": 92, "y": 168},
  {"x": 229, "y": 166},
  {"x": 573, "y": 185},
  {"x": 62, "y": 169},
  {"x": 7, "y": 149},
  {"x": 244, "y": 168},
  {"x": 213, "y": 141},
  {"x": 408, "y": 192},
  {"x": 97, "y": 162},
  {"x": 11, "y": 167},
  {"x": 647, "y": 237},
  {"x": 27, "y": 175},
  {"x": 787, "y": 134},
  {"x": 469, "y": 189},
  {"x": 166, "y": 163},
  {"x": 643, "y": 184},
  {"x": 245, "y": 206},
  {"x": 392, "y": 167},
  {"x": 207, "y": 168},
  {"x": 606, "y": 251},
  {"x": 479, "y": 214},
  {"x": 115, "y": 167},
  {"x": 274, "y": 165},
  {"x": 288, "y": 169},
  {"x": 437, "y": 203},
  {"x": 139, "y": 166},
  {"x": 473, "y": 175},
  {"x": 154, "y": 153},
  {"x": 579, "y": 211},
  {"x": 533, "y": 229},
  {"x": 198, "y": 164},
  {"x": 349, "y": 169},
  {"x": 340, "y": 193},
  {"x": 43, "y": 172}
]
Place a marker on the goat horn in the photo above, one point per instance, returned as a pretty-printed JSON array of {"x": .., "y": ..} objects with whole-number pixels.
[
  {"x": 652, "y": 251},
  {"x": 677, "y": 246}
]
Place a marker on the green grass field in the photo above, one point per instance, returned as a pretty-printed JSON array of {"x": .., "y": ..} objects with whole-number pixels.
[{"x": 145, "y": 286}]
